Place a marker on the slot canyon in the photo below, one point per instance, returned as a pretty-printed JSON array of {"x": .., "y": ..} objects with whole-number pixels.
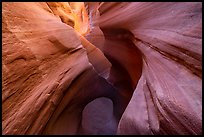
[{"x": 102, "y": 68}]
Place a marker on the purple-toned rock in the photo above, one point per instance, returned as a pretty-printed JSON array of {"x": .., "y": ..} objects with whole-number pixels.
[{"x": 101, "y": 68}]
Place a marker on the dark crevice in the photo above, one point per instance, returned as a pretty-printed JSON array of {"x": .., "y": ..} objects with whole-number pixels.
[
  {"x": 126, "y": 61},
  {"x": 124, "y": 74}
]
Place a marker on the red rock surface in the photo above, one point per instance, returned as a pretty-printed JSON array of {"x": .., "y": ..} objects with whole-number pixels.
[{"x": 101, "y": 68}]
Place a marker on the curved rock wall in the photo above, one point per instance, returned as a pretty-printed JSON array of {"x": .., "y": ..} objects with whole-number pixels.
[
  {"x": 168, "y": 94},
  {"x": 101, "y": 68}
]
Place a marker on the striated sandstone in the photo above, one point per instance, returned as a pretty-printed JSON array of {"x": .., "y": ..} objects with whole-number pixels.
[{"x": 101, "y": 68}]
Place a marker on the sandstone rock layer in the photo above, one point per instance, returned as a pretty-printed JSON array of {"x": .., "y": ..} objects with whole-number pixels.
[{"x": 101, "y": 68}]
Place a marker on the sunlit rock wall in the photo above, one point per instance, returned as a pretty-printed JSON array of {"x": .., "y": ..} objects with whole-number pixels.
[{"x": 101, "y": 68}]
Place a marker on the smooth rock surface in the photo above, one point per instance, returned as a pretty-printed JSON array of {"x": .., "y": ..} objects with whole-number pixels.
[
  {"x": 101, "y": 68},
  {"x": 169, "y": 92},
  {"x": 98, "y": 118}
]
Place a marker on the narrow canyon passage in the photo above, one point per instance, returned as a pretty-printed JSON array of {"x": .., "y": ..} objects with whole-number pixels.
[
  {"x": 125, "y": 72},
  {"x": 101, "y": 68},
  {"x": 126, "y": 60}
]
